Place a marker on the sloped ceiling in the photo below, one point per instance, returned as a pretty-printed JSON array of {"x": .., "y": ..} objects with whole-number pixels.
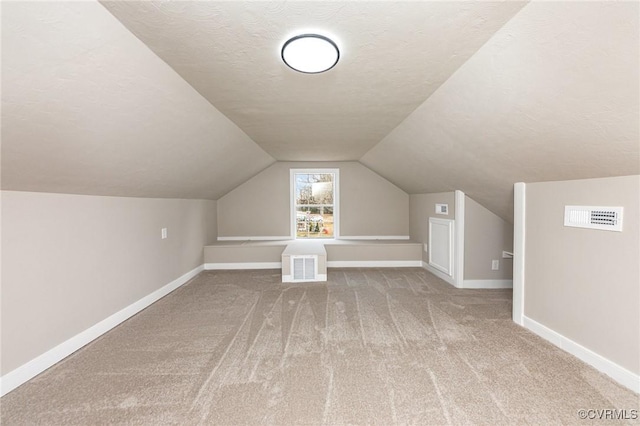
[
  {"x": 87, "y": 108},
  {"x": 434, "y": 96},
  {"x": 554, "y": 95},
  {"x": 394, "y": 55}
]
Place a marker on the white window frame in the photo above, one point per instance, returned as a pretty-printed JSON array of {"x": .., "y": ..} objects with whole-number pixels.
[{"x": 336, "y": 200}]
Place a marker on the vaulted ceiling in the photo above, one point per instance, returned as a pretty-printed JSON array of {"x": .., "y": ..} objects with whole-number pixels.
[
  {"x": 394, "y": 56},
  {"x": 189, "y": 99}
]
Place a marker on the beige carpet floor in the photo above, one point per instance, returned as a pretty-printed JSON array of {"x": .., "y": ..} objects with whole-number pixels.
[{"x": 370, "y": 346}]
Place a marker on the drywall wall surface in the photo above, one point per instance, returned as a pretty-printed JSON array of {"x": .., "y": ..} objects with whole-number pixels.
[
  {"x": 585, "y": 283},
  {"x": 363, "y": 252},
  {"x": 243, "y": 253},
  {"x": 486, "y": 236},
  {"x": 70, "y": 261},
  {"x": 369, "y": 205},
  {"x": 423, "y": 206}
]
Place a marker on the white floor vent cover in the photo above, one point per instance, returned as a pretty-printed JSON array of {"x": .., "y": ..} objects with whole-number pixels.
[
  {"x": 592, "y": 217},
  {"x": 305, "y": 268}
]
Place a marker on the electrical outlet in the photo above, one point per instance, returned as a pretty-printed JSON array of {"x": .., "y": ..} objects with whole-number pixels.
[
  {"x": 426, "y": 248},
  {"x": 495, "y": 265},
  {"x": 163, "y": 233}
]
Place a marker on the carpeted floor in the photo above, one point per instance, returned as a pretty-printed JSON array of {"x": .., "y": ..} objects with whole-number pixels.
[{"x": 370, "y": 346}]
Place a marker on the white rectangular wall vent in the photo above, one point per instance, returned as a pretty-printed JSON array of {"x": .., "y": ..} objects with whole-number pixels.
[
  {"x": 304, "y": 268},
  {"x": 593, "y": 217},
  {"x": 442, "y": 208}
]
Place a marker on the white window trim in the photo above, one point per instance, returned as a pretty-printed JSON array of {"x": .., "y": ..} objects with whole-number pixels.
[{"x": 336, "y": 201}]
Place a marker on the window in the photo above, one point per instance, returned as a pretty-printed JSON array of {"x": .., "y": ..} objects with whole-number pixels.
[{"x": 314, "y": 201}]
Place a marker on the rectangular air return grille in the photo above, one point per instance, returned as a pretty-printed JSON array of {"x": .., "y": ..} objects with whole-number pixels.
[
  {"x": 304, "y": 268},
  {"x": 592, "y": 217}
]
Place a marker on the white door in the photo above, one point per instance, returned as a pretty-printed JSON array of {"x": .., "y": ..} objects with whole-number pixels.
[{"x": 441, "y": 244}]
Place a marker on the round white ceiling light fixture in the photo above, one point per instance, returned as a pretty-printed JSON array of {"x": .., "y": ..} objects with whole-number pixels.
[{"x": 310, "y": 53}]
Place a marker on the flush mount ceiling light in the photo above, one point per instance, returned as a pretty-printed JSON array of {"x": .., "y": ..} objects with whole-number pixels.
[{"x": 310, "y": 53}]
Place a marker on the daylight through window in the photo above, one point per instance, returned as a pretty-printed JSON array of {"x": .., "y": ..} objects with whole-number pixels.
[{"x": 314, "y": 202}]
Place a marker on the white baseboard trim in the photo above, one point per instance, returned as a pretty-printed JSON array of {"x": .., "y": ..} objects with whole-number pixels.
[
  {"x": 374, "y": 237},
  {"x": 319, "y": 278},
  {"x": 619, "y": 374},
  {"x": 374, "y": 263},
  {"x": 487, "y": 284},
  {"x": 439, "y": 274},
  {"x": 242, "y": 265},
  {"x": 27, "y": 371},
  {"x": 270, "y": 238}
]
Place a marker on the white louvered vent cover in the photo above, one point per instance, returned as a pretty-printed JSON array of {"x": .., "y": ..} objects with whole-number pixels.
[
  {"x": 304, "y": 268},
  {"x": 606, "y": 218}
]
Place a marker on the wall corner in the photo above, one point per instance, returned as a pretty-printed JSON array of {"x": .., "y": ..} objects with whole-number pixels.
[
  {"x": 458, "y": 274},
  {"x": 519, "y": 236}
]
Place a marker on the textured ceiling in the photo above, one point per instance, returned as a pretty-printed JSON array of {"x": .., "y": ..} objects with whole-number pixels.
[
  {"x": 434, "y": 96},
  {"x": 88, "y": 109},
  {"x": 554, "y": 95},
  {"x": 394, "y": 55}
]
